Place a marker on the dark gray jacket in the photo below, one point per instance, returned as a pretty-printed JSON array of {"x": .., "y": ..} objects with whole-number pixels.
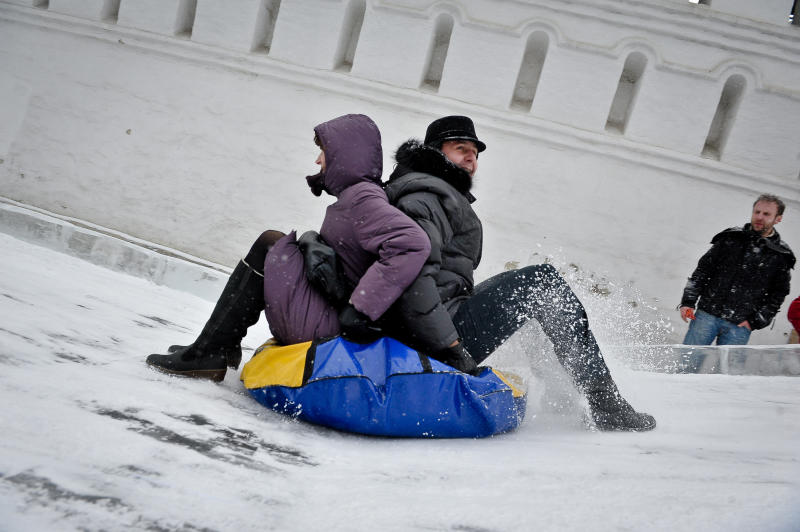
[{"x": 435, "y": 193}]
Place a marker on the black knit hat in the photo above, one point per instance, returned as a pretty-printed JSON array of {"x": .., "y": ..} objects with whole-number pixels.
[{"x": 452, "y": 128}]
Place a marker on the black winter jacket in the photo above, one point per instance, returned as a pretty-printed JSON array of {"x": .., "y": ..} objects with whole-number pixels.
[
  {"x": 436, "y": 194},
  {"x": 744, "y": 276}
]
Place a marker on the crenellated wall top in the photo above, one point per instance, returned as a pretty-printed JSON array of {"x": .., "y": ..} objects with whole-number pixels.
[{"x": 698, "y": 79}]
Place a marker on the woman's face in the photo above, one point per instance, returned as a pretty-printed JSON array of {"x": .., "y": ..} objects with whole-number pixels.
[{"x": 321, "y": 160}]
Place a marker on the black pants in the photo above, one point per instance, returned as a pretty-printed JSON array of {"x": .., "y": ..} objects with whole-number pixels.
[{"x": 504, "y": 303}]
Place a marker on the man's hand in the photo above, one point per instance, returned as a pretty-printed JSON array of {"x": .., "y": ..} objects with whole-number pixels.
[
  {"x": 458, "y": 357},
  {"x": 687, "y": 313},
  {"x": 746, "y": 323}
]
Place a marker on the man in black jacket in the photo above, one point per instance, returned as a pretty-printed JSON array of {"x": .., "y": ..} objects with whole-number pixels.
[
  {"x": 741, "y": 282},
  {"x": 442, "y": 313}
]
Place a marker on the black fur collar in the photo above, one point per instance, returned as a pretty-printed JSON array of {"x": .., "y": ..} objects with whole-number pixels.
[{"x": 414, "y": 156}]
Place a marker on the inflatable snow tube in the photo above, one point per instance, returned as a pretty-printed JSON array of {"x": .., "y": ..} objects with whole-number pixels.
[{"x": 384, "y": 388}]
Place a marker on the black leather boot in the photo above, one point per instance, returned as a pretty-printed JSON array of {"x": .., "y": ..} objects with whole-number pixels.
[
  {"x": 219, "y": 344},
  {"x": 610, "y": 411},
  {"x": 233, "y": 355}
]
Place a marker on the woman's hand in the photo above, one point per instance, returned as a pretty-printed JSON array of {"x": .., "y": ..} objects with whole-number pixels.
[{"x": 357, "y": 327}]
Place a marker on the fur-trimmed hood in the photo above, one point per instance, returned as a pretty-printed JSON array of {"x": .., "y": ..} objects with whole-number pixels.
[{"x": 414, "y": 156}]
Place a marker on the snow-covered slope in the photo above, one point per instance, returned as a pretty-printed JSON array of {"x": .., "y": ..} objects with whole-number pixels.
[{"x": 94, "y": 440}]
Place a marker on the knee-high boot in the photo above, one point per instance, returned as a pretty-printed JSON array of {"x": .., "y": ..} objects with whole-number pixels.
[
  {"x": 567, "y": 325},
  {"x": 610, "y": 411},
  {"x": 580, "y": 355},
  {"x": 219, "y": 343}
]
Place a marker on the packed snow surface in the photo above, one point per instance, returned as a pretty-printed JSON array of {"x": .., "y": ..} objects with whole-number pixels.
[{"x": 92, "y": 439}]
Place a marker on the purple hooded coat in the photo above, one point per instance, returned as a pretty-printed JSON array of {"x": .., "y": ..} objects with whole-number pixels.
[{"x": 381, "y": 249}]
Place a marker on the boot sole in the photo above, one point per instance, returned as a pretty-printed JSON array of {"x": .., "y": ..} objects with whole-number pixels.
[
  {"x": 617, "y": 428},
  {"x": 216, "y": 375}
]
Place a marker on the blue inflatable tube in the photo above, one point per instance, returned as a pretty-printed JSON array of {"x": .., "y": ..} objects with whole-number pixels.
[{"x": 384, "y": 388}]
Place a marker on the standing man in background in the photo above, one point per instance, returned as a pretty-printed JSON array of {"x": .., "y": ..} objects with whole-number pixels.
[{"x": 741, "y": 282}]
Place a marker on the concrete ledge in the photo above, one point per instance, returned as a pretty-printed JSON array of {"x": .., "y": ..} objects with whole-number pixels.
[
  {"x": 113, "y": 250},
  {"x": 765, "y": 360},
  {"x": 741, "y": 360}
]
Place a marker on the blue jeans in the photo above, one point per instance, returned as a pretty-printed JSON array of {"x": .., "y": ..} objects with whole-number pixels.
[{"x": 704, "y": 328}]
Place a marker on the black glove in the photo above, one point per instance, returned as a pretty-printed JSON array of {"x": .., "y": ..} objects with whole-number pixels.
[
  {"x": 324, "y": 269},
  {"x": 357, "y": 327},
  {"x": 459, "y": 358}
]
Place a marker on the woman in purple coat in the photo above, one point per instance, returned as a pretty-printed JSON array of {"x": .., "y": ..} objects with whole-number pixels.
[{"x": 380, "y": 251}]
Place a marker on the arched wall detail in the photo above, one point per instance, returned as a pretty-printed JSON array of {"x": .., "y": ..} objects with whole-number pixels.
[
  {"x": 266, "y": 20},
  {"x": 436, "y": 57},
  {"x": 184, "y": 20},
  {"x": 729, "y": 67},
  {"x": 110, "y": 11},
  {"x": 530, "y": 70},
  {"x": 554, "y": 34},
  {"x": 456, "y": 11},
  {"x": 725, "y": 116},
  {"x": 627, "y": 90},
  {"x": 630, "y": 45},
  {"x": 350, "y": 34}
]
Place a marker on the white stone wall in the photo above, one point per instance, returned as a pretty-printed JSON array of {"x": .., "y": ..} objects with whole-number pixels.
[{"x": 188, "y": 122}]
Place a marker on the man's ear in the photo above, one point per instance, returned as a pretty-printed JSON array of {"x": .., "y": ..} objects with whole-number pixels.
[{"x": 778, "y": 218}]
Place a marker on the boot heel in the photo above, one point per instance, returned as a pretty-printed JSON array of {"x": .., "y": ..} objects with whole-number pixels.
[
  {"x": 233, "y": 357},
  {"x": 216, "y": 375}
]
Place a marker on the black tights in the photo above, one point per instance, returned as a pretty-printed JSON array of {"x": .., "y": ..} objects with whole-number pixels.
[{"x": 258, "y": 252}]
